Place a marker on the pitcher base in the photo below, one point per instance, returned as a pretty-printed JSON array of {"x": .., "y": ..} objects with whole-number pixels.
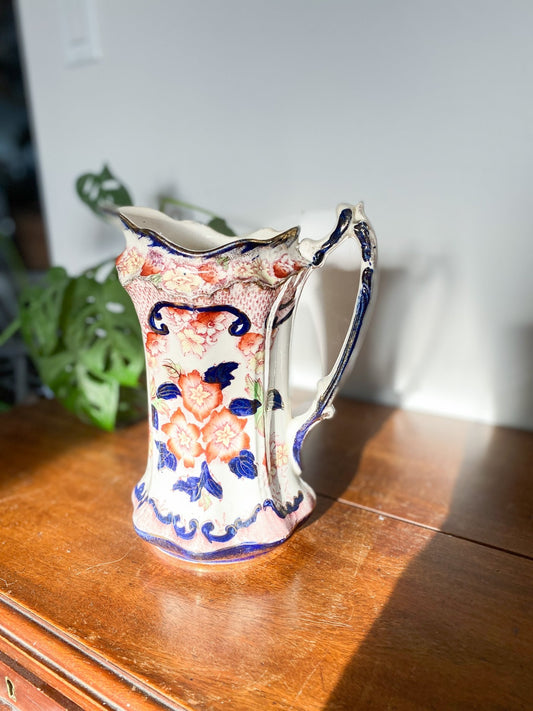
[{"x": 265, "y": 529}]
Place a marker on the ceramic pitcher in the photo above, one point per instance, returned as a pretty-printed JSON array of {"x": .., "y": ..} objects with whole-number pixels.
[{"x": 223, "y": 480}]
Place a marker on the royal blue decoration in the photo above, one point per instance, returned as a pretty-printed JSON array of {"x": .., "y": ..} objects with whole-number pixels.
[
  {"x": 155, "y": 418},
  {"x": 194, "y": 484},
  {"x": 275, "y": 401},
  {"x": 239, "y": 327},
  {"x": 231, "y": 530},
  {"x": 207, "y": 528},
  {"x": 244, "y": 465},
  {"x": 168, "y": 391},
  {"x": 221, "y": 373},
  {"x": 284, "y": 511},
  {"x": 342, "y": 225},
  {"x": 242, "y": 407},
  {"x": 166, "y": 458}
]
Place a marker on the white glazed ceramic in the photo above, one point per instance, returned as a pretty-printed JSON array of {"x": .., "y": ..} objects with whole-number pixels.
[{"x": 223, "y": 480}]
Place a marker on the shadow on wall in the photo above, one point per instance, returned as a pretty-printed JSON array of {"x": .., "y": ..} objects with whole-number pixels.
[
  {"x": 512, "y": 376},
  {"x": 403, "y": 332}
]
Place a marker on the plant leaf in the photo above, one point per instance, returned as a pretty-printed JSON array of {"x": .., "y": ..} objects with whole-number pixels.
[
  {"x": 40, "y": 312},
  {"x": 84, "y": 337},
  {"x": 102, "y": 191},
  {"x": 106, "y": 339},
  {"x": 221, "y": 226}
]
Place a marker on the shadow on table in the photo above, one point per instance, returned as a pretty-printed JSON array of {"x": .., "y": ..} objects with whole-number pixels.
[
  {"x": 456, "y": 631},
  {"x": 340, "y": 441},
  {"x": 31, "y": 436}
]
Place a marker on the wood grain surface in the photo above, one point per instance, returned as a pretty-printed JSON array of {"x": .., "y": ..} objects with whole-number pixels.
[{"x": 398, "y": 593}]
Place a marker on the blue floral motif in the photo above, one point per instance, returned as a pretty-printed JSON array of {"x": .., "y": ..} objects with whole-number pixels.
[
  {"x": 221, "y": 373},
  {"x": 155, "y": 418},
  {"x": 242, "y": 407},
  {"x": 244, "y": 465},
  {"x": 168, "y": 391},
  {"x": 166, "y": 458},
  {"x": 194, "y": 484}
]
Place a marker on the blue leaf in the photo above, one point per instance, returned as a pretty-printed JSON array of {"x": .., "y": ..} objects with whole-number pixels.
[
  {"x": 166, "y": 458},
  {"x": 244, "y": 407},
  {"x": 168, "y": 391},
  {"x": 221, "y": 373},
  {"x": 212, "y": 486},
  {"x": 155, "y": 418},
  {"x": 194, "y": 484},
  {"x": 244, "y": 465},
  {"x": 191, "y": 486},
  {"x": 275, "y": 401}
]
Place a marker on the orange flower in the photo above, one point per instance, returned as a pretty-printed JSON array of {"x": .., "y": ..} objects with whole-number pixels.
[
  {"x": 209, "y": 273},
  {"x": 149, "y": 269},
  {"x": 155, "y": 344},
  {"x": 183, "y": 438},
  {"x": 224, "y": 436},
  {"x": 250, "y": 343},
  {"x": 283, "y": 267},
  {"x": 199, "y": 397}
]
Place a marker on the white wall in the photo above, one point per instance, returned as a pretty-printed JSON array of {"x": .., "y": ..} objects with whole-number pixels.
[{"x": 266, "y": 110}]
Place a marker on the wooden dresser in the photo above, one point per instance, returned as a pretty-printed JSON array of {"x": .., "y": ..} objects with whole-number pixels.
[{"x": 411, "y": 586}]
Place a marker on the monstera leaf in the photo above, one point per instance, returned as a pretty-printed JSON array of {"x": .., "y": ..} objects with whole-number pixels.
[
  {"x": 102, "y": 191},
  {"x": 84, "y": 337}
]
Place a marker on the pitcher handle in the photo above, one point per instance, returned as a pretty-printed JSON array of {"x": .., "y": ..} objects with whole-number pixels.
[{"x": 353, "y": 223}]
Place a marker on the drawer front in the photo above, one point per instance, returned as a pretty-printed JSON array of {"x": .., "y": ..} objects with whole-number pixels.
[{"x": 21, "y": 690}]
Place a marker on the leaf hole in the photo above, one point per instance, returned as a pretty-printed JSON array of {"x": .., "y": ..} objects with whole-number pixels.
[{"x": 115, "y": 307}]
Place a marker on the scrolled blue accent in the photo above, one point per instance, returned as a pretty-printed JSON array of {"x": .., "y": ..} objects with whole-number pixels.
[
  {"x": 181, "y": 532},
  {"x": 230, "y": 531},
  {"x": 284, "y": 511},
  {"x": 239, "y": 327},
  {"x": 168, "y": 519},
  {"x": 207, "y": 528},
  {"x": 342, "y": 225}
]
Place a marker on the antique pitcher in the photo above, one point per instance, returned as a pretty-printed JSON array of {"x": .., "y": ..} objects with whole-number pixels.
[{"x": 223, "y": 480}]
